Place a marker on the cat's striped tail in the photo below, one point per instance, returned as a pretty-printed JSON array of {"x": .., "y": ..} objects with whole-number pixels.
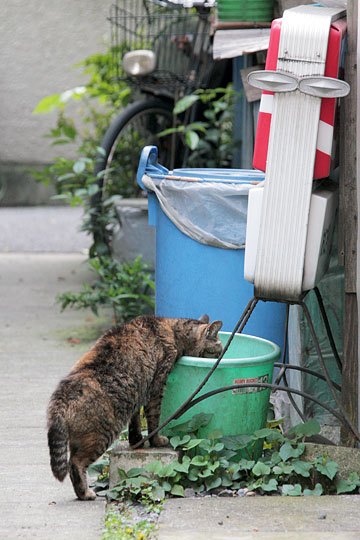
[{"x": 58, "y": 441}]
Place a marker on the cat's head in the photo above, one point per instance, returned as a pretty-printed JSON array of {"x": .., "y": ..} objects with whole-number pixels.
[{"x": 205, "y": 341}]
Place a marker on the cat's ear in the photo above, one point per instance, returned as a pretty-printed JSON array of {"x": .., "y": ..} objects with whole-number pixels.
[
  {"x": 204, "y": 319},
  {"x": 213, "y": 329}
]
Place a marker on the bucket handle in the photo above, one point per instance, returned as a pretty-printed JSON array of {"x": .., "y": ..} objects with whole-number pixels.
[{"x": 148, "y": 164}]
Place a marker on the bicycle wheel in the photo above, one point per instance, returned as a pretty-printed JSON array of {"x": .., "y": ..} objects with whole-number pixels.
[{"x": 137, "y": 126}]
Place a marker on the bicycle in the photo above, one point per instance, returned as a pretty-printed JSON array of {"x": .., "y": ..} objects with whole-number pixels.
[{"x": 163, "y": 51}]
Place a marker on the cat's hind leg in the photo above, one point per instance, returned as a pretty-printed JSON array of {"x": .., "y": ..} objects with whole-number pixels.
[
  {"x": 79, "y": 480},
  {"x": 134, "y": 429},
  {"x": 82, "y": 454},
  {"x": 152, "y": 413}
]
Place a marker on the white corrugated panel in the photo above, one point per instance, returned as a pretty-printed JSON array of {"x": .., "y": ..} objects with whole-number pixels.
[{"x": 291, "y": 156}]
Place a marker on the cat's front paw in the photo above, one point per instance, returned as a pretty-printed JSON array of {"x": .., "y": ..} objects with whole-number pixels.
[{"x": 159, "y": 440}]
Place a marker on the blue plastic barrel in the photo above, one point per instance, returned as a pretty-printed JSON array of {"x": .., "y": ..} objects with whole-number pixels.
[{"x": 193, "y": 278}]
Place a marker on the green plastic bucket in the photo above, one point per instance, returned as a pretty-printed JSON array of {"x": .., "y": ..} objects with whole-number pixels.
[
  {"x": 245, "y": 10},
  {"x": 249, "y": 359}
]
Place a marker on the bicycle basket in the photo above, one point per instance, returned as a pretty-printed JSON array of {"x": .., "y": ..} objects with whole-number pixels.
[{"x": 179, "y": 38}]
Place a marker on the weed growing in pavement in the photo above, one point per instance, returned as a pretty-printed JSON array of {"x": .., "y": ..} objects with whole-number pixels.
[{"x": 120, "y": 524}]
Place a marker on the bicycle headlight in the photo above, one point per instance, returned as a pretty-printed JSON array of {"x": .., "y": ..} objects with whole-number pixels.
[{"x": 140, "y": 62}]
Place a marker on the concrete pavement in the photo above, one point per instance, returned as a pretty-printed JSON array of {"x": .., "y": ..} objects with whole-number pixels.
[
  {"x": 42, "y": 229},
  {"x": 38, "y": 345},
  {"x": 261, "y": 518}
]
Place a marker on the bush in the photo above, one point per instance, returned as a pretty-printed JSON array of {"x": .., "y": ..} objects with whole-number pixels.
[{"x": 128, "y": 289}]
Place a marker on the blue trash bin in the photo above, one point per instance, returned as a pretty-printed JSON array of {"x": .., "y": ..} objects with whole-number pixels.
[{"x": 195, "y": 275}]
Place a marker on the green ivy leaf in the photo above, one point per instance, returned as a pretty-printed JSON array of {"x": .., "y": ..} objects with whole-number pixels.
[
  {"x": 237, "y": 442},
  {"x": 199, "y": 420},
  {"x": 318, "y": 490},
  {"x": 177, "y": 490},
  {"x": 183, "y": 466},
  {"x": 224, "y": 463},
  {"x": 327, "y": 467},
  {"x": 218, "y": 447},
  {"x": 135, "y": 471},
  {"x": 288, "y": 451},
  {"x": 283, "y": 468},
  {"x": 312, "y": 427},
  {"x": 206, "y": 445},
  {"x": 66, "y": 176},
  {"x": 79, "y": 167},
  {"x": 192, "y": 444},
  {"x": 302, "y": 467},
  {"x": 193, "y": 475},
  {"x": 138, "y": 481},
  {"x": 98, "y": 466},
  {"x": 345, "y": 486},
  {"x": 170, "y": 131},
  {"x": 291, "y": 490},
  {"x": 192, "y": 139},
  {"x": 213, "y": 483},
  {"x": 226, "y": 481},
  {"x": 275, "y": 458},
  {"x": 261, "y": 469},
  {"x": 122, "y": 474},
  {"x": 48, "y": 104},
  {"x": 213, "y": 466},
  {"x": 166, "y": 485},
  {"x": 199, "y": 126},
  {"x": 112, "y": 495},
  {"x": 154, "y": 467},
  {"x": 216, "y": 434},
  {"x": 269, "y": 486},
  {"x": 275, "y": 423},
  {"x": 167, "y": 471},
  {"x": 246, "y": 464},
  {"x": 262, "y": 433},
  {"x": 57, "y": 101},
  {"x": 185, "y": 103},
  {"x": 192, "y": 425},
  {"x": 157, "y": 493},
  {"x": 354, "y": 478},
  {"x": 179, "y": 441},
  {"x": 199, "y": 461},
  {"x": 94, "y": 188},
  {"x": 205, "y": 473}
]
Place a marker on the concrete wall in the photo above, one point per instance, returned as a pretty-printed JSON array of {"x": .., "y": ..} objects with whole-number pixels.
[{"x": 40, "y": 42}]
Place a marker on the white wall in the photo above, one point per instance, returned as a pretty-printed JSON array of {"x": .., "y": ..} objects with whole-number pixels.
[{"x": 40, "y": 41}]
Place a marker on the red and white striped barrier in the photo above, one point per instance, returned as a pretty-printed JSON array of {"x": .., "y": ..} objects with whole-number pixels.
[{"x": 327, "y": 111}]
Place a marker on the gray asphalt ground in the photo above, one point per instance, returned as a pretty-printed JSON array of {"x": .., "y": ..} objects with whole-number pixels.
[
  {"x": 38, "y": 345},
  {"x": 42, "y": 254},
  {"x": 42, "y": 229}
]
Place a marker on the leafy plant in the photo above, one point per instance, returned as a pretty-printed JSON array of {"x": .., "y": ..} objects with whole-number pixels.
[
  {"x": 233, "y": 463},
  {"x": 126, "y": 288},
  {"x": 97, "y": 101},
  {"x": 210, "y": 140}
]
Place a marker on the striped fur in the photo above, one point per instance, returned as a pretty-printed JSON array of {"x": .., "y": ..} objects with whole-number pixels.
[{"x": 126, "y": 369}]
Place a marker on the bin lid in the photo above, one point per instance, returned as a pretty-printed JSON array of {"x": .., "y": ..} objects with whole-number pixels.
[
  {"x": 233, "y": 176},
  {"x": 208, "y": 205},
  {"x": 149, "y": 166}
]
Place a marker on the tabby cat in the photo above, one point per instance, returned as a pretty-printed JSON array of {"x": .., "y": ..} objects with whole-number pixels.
[{"x": 126, "y": 369}]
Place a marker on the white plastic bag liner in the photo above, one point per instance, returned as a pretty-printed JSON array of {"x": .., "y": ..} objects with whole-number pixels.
[
  {"x": 132, "y": 235},
  {"x": 212, "y": 213}
]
